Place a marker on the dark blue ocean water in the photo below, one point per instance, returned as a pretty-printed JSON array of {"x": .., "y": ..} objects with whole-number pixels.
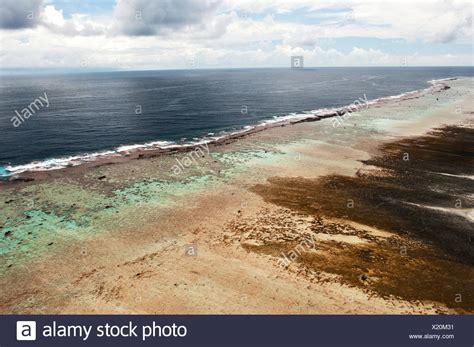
[{"x": 93, "y": 112}]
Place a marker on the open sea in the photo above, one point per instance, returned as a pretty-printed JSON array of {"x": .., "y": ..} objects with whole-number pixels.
[{"x": 95, "y": 114}]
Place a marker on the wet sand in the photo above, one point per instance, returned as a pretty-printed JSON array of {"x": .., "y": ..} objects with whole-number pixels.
[{"x": 305, "y": 218}]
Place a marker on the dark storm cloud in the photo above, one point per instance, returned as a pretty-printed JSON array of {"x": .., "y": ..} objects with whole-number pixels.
[
  {"x": 145, "y": 17},
  {"x": 18, "y": 14}
]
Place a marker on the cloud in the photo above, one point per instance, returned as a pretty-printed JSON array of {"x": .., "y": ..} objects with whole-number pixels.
[
  {"x": 78, "y": 24},
  {"x": 144, "y": 17},
  {"x": 19, "y": 14},
  {"x": 52, "y": 16},
  {"x": 424, "y": 20},
  {"x": 427, "y": 21},
  {"x": 23, "y": 14},
  {"x": 162, "y": 34}
]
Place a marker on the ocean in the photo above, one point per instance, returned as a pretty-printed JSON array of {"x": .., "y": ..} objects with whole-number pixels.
[{"x": 82, "y": 116}]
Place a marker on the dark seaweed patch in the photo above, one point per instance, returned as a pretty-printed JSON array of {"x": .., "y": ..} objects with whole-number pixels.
[{"x": 414, "y": 182}]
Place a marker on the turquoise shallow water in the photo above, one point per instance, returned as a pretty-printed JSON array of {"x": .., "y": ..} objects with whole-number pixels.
[{"x": 3, "y": 172}]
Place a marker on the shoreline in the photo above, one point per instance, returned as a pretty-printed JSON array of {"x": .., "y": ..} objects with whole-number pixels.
[
  {"x": 38, "y": 169},
  {"x": 113, "y": 238}
]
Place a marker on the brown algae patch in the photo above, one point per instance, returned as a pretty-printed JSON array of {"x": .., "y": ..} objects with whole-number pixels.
[{"x": 430, "y": 256}]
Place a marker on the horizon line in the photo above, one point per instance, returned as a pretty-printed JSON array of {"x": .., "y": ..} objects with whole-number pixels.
[{"x": 81, "y": 70}]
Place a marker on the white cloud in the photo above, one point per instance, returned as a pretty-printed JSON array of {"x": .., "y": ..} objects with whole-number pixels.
[
  {"x": 217, "y": 34},
  {"x": 51, "y": 16}
]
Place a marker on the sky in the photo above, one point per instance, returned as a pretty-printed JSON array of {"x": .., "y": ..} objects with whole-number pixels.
[{"x": 180, "y": 34}]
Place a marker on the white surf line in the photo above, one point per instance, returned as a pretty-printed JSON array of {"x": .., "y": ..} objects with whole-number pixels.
[
  {"x": 467, "y": 213},
  {"x": 446, "y": 174}
]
